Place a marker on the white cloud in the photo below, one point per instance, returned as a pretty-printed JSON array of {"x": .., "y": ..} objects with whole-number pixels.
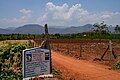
[
  {"x": 105, "y": 16},
  {"x": 63, "y": 15},
  {"x": 25, "y": 11},
  {"x": 74, "y": 15},
  {"x": 59, "y": 15}
]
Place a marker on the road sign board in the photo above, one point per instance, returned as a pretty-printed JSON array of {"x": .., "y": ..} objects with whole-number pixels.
[{"x": 36, "y": 62}]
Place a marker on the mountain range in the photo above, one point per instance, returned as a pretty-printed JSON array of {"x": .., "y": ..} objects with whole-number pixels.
[{"x": 38, "y": 29}]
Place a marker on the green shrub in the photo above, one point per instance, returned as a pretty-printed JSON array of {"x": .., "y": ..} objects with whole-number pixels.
[
  {"x": 117, "y": 66},
  {"x": 1, "y": 50},
  {"x": 56, "y": 72},
  {"x": 18, "y": 47},
  {"x": 11, "y": 54}
]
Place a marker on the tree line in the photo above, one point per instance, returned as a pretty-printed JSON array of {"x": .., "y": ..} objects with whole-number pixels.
[{"x": 18, "y": 36}]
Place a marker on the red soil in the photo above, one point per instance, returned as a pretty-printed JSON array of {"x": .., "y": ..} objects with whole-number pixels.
[{"x": 73, "y": 69}]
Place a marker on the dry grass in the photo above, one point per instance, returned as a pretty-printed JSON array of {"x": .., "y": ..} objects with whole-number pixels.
[{"x": 8, "y": 42}]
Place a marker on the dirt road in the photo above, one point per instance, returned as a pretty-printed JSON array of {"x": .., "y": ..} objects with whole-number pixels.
[{"x": 73, "y": 69}]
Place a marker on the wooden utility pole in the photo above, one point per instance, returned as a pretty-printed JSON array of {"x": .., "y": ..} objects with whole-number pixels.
[{"x": 46, "y": 44}]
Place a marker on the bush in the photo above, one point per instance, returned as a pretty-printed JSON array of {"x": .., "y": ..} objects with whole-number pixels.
[
  {"x": 18, "y": 47},
  {"x": 56, "y": 72},
  {"x": 117, "y": 66},
  {"x": 1, "y": 50},
  {"x": 11, "y": 55}
]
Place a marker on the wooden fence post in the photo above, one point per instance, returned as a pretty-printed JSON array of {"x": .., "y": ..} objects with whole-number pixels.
[
  {"x": 80, "y": 55},
  {"x": 112, "y": 54},
  {"x": 68, "y": 51},
  {"x": 110, "y": 48},
  {"x": 58, "y": 47}
]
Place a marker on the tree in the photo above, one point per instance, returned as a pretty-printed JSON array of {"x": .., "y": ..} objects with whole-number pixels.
[
  {"x": 101, "y": 28},
  {"x": 57, "y": 35},
  {"x": 117, "y": 29}
]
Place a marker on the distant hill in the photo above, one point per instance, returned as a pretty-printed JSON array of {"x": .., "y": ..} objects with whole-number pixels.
[
  {"x": 78, "y": 29},
  {"x": 38, "y": 29},
  {"x": 11, "y": 28},
  {"x": 5, "y": 31},
  {"x": 30, "y": 29}
]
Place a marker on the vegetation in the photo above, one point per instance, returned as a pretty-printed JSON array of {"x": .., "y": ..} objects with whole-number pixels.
[
  {"x": 18, "y": 36},
  {"x": 11, "y": 61},
  {"x": 101, "y": 28},
  {"x": 56, "y": 72},
  {"x": 117, "y": 66},
  {"x": 85, "y": 35},
  {"x": 117, "y": 29}
]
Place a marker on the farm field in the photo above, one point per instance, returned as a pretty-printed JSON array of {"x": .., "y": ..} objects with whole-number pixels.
[
  {"x": 11, "y": 59},
  {"x": 8, "y": 42},
  {"x": 88, "y": 49},
  {"x": 80, "y": 59}
]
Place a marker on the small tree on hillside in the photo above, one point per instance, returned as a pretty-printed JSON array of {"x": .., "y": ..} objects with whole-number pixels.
[
  {"x": 117, "y": 29},
  {"x": 101, "y": 28}
]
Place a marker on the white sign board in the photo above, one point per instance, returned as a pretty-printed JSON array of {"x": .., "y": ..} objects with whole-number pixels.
[{"x": 36, "y": 62}]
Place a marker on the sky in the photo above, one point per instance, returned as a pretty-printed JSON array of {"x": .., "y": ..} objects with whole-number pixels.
[{"x": 15, "y": 13}]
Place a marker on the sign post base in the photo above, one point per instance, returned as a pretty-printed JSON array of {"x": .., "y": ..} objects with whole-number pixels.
[{"x": 41, "y": 76}]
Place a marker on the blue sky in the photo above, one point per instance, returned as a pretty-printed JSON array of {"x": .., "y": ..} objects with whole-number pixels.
[{"x": 14, "y": 13}]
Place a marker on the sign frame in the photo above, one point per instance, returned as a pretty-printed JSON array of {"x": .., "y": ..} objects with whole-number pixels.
[{"x": 48, "y": 59}]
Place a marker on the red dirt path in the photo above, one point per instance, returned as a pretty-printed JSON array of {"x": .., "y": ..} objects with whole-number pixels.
[{"x": 73, "y": 69}]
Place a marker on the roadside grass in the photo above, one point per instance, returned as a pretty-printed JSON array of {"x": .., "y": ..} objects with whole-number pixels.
[
  {"x": 116, "y": 66},
  {"x": 57, "y": 74}
]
